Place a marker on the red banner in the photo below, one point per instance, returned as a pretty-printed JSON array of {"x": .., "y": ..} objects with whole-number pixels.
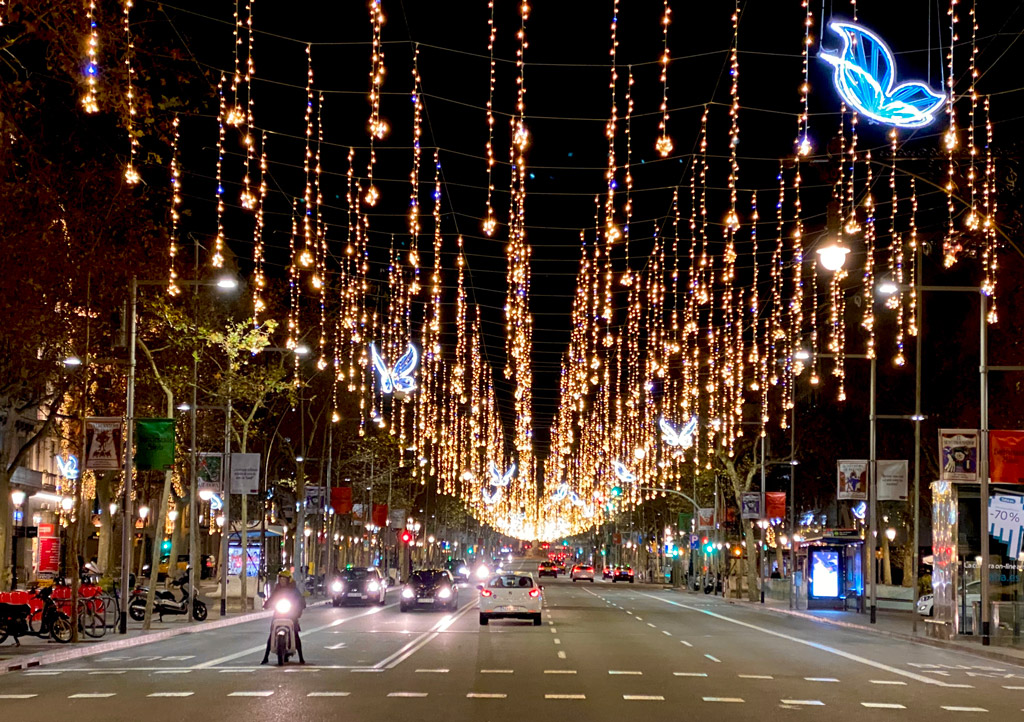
[
  {"x": 775, "y": 504},
  {"x": 1006, "y": 457},
  {"x": 380, "y": 515},
  {"x": 341, "y": 499}
]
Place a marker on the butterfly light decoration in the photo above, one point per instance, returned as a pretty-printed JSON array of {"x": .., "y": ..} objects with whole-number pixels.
[
  {"x": 865, "y": 76},
  {"x": 398, "y": 380},
  {"x": 561, "y": 491},
  {"x": 625, "y": 475},
  {"x": 683, "y": 438},
  {"x": 498, "y": 482},
  {"x": 68, "y": 469},
  {"x": 491, "y": 496}
]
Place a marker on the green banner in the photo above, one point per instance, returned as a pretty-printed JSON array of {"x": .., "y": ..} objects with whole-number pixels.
[
  {"x": 685, "y": 522},
  {"x": 154, "y": 445}
]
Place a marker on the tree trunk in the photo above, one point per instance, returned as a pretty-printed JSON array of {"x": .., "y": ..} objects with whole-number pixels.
[
  {"x": 6, "y": 528},
  {"x": 908, "y": 564},
  {"x": 176, "y": 534},
  {"x": 106, "y": 532},
  {"x": 886, "y": 566},
  {"x": 753, "y": 545},
  {"x": 159, "y": 521}
]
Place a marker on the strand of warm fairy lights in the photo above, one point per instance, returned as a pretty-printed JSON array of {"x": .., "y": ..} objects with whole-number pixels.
[
  {"x": 803, "y": 140},
  {"x": 895, "y": 301},
  {"x": 777, "y": 336},
  {"x": 378, "y": 127},
  {"x": 246, "y": 199},
  {"x": 306, "y": 257},
  {"x": 814, "y": 361},
  {"x": 490, "y": 222},
  {"x": 319, "y": 279},
  {"x": 664, "y": 143},
  {"x": 973, "y": 222},
  {"x": 218, "y": 242},
  {"x": 90, "y": 104},
  {"x": 292, "y": 341},
  {"x": 414, "y": 176},
  {"x": 703, "y": 295},
  {"x": 172, "y": 277},
  {"x": 912, "y": 246},
  {"x": 796, "y": 304},
  {"x": 757, "y": 384},
  {"x": 691, "y": 349},
  {"x": 236, "y": 116},
  {"x": 627, "y": 277},
  {"x": 868, "y": 319},
  {"x": 851, "y": 217},
  {"x": 131, "y": 176},
  {"x": 733, "y": 371},
  {"x": 837, "y": 301},
  {"x": 951, "y": 247},
  {"x": 990, "y": 255},
  {"x": 351, "y": 261},
  {"x": 259, "y": 281},
  {"x": 612, "y": 232}
]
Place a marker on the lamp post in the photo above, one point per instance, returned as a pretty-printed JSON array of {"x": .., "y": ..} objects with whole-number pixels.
[{"x": 17, "y": 498}]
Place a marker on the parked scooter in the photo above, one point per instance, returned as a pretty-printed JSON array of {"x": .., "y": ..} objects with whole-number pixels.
[
  {"x": 14, "y": 620},
  {"x": 165, "y": 604},
  {"x": 282, "y": 631}
]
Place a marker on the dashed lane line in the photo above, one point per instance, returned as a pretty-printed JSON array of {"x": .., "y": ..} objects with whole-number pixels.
[
  {"x": 625, "y": 671},
  {"x": 328, "y": 694},
  {"x": 561, "y": 654},
  {"x": 643, "y": 698},
  {"x": 556, "y": 640},
  {"x": 683, "y": 641},
  {"x": 894, "y": 682},
  {"x": 950, "y": 708},
  {"x": 91, "y": 695},
  {"x": 882, "y": 705},
  {"x": 407, "y": 694},
  {"x": 107, "y": 672},
  {"x": 821, "y": 679},
  {"x": 689, "y": 674},
  {"x": 253, "y": 693},
  {"x": 713, "y": 658},
  {"x": 565, "y": 696},
  {"x": 755, "y": 676},
  {"x": 804, "y": 702},
  {"x": 173, "y": 671},
  {"x": 497, "y": 671},
  {"x": 666, "y": 633},
  {"x": 559, "y": 671},
  {"x": 1010, "y": 686},
  {"x": 432, "y": 671},
  {"x": 171, "y": 694},
  {"x": 723, "y": 699},
  {"x": 486, "y": 695},
  {"x": 18, "y": 696}
]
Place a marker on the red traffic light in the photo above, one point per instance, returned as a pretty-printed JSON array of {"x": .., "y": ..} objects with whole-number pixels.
[{"x": 406, "y": 537}]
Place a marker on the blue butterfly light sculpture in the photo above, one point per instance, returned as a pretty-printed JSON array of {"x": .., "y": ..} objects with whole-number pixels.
[
  {"x": 865, "y": 76},
  {"x": 498, "y": 482},
  {"x": 561, "y": 491},
  {"x": 398, "y": 380},
  {"x": 625, "y": 475},
  {"x": 68, "y": 469},
  {"x": 683, "y": 438}
]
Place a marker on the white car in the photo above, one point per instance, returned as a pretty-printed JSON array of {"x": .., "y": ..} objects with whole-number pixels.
[
  {"x": 512, "y": 595},
  {"x": 926, "y": 603},
  {"x": 584, "y": 572}
]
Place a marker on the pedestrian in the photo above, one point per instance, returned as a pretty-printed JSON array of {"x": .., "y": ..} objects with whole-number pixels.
[{"x": 287, "y": 589}]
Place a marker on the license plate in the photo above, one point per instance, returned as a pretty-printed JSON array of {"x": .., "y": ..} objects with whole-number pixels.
[
  {"x": 425, "y": 600},
  {"x": 354, "y": 594},
  {"x": 507, "y": 608}
]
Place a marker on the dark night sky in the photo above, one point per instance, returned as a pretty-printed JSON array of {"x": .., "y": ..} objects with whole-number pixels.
[{"x": 567, "y": 104}]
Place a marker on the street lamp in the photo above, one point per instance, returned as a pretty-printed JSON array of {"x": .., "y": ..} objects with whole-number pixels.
[
  {"x": 17, "y": 498},
  {"x": 833, "y": 256},
  {"x": 72, "y": 361},
  {"x": 890, "y": 534}
]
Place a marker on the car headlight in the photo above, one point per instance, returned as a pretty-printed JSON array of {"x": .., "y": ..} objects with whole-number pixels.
[
  {"x": 283, "y": 606},
  {"x": 482, "y": 571},
  {"x": 464, "y": 571},
  {"x": 444, "y": 593},
  {"x": 337, "y": 587},
  {"x": 408, "y": 593},
  {"x": 373, "y": 586}
]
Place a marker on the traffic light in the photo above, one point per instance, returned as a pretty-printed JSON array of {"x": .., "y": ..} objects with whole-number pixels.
[
  {"x": 616, "y": 491},
  {"x": 406, "y": 537},
  {"x": 709, "y": 546}
]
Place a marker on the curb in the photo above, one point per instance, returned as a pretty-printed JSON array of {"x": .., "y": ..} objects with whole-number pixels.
[
  {"x": 936, "y": 643},
  {"x": 30, "y": 661}
]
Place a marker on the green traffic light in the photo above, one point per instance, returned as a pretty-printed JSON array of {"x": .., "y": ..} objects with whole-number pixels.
[{"x": 616, "y": 491}]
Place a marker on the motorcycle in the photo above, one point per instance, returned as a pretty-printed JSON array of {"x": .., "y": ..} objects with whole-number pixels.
[
  {"x": 165, "y": 604},
  {"x": 14, "y": 620},
  {"x": 282, "y": 631}
]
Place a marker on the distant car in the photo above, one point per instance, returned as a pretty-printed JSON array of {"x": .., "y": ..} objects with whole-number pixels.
[
  {"x": 547, "y": 569},
  {"x": 926, "y": 603},
  {"x": 561, "y": 566},
  {"x": 607, "y": 573},
  {"x": 582, "y": 571},
  {"x": 510, "y": 595},
  {"x": 623, "y": 574},
  {"x": 458, "y": 568},
  {"x": 430, "y": 589},
  {"x": 497, "y": 563},
  {"x": 359, "y": 584}
]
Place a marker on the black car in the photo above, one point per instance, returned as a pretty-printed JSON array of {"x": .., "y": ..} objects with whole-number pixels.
[
  {"x": 359, "y": 584},
  {"x": 430, "y": 589},
  {"x": 547, "y": 569},
  {"x": 458, "y": 569},
  {"x": 623, "y": 574}
]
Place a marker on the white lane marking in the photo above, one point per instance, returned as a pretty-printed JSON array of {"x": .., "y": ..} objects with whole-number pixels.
[
  {"x": 173, "y": 671},
  {"x": 486, "y": 695},
  {"x": 683, "y": 641},
  {"x": 690, "y": 674},
  {"x": 18, "y": 696},
  {"x": 432, "y": 671},
  {"x": 253, "y": 693},
  {"x": 561, "y": 654},
  {"x": 107, "y": 671},
  {"x": 307, "y": 632},
  {"x": 42, "y": 674},
  {"x": 565, "y": 696},
  {"x": 643, "y": 697},
  {"x": 557, "y": 641},
  {"x": 553, "y": 630},
  {"x": 639, "y": 619},
  {"x": 804, "y": 702},
  {"x": 755, "y": 676},
  {"x": 808, "y": 643},
  {"x": 882, "y": 705},
  {"x": 963, "y": 709},
  {"x": 667, "y": 634},
  {"x": 237, "y": 670},
  {"x": 423, "y": 640},
  {"x": 497, "y": 671},
  {"x": 821, "y": 679},
  {"x": 171, "y": 694},
  {"x": 723, "y": 699},
  {"x": 629, "y": 612},
  {"x": 1007, "y": 686},
  {"x": 407, "y": 694},
  {"x": 339, "y": 645},
  {"x": 624, "y": 671},
  {"x": 961, "y": 686},
  {"x": 889, "y": 681},
  {"x": 713, "y": 658},
  {"x": 367, "y": 670},
  {"x": 328, "y": 694},
  {"x": 550, "y": 623},
  {"x": 91, "y": 695},
  {"x": 559, "y": 671}
]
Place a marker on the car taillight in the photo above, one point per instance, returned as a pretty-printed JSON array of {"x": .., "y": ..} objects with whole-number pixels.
[
  {"x": 534, "y": 593},
  {"x": 486, "y": 593},
  {"x": 630, "y": 572}
]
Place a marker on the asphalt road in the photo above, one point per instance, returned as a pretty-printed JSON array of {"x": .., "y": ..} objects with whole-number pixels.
[{"x": 604, "y": 651}]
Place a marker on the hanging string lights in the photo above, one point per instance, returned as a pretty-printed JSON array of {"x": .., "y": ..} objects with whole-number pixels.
[
  {"x": 414, "y": 176},
  {"x": 131, "y": 175},
  {"x": 896, "y": 268},
  {"x": 612, "y": 232},
  {"x": 90, "y": 103},
  {"x": 951, "y": 246},
  {"x": 378, "y": 128},
  {"x": 973, "y": 220},
  {"x": 990, "y": 254},
  {"x": 868, "y": 317},
  {"x": 664, "y": 143},
  {"x": 306, "y": 257},
  {"x": 246, "y": 199},
  {"x": 259, "y": 279},
  {"x": 217, "y": 261},
  {"x": 172, "y": 250},
  {"x": 803, "y": 140},
  {"x": 490, "y": 222}
]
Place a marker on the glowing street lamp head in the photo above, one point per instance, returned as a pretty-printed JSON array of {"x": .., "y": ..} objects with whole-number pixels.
[
  {"x": 887, "y": 288},
  {"x": 227, "y": 283},
  {"x": 833, "y": 256}
]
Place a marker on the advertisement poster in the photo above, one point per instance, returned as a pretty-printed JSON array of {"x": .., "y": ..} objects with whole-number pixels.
[
  {"x": 103, "y": 443},
  {"x": 705, "y": 519},
  {"x": 235, "y": 560},
  {"x": 958, "y": 454},
  {"x": 892, "y": 480},
  {"x": 1006, "y": 521},
  {"x": 209, "y": 467},
  {"x": 245, "y": 473},
  {"x": 154, "y": 448},
  {"x": 750, "y": 505},
  {"x": 853, "y": 479},
  {"x": 49, "y": 552},
  {"x": 775, "y": 504},
  {"x": 1006, "y": 457}
]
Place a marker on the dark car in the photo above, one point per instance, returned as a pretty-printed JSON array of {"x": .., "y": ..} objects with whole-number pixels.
[
  {"x": 623, "y": 574},
  {"x": 430, "y": 589},
  {"x": 458, "y": 568},
  {"x": 547, "y": 569},
  {"x": 359, "y": 584}
]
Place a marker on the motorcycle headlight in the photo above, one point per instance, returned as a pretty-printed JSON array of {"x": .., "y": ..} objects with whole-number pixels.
[
  {"x": 283, "y": 606},
  {"x": 464, "y": 571},
  {"x": 445, "y": 593},
  {"x": 373, "y": 586},
  {"x": 408, "y": 593},
  {"x": 337, "y": 587}
]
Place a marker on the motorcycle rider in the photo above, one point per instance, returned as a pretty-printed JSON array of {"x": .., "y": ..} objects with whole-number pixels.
[{"x": 286, "y": 589}]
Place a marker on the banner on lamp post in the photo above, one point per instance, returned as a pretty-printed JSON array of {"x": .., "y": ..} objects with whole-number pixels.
[
  {"x": 1006, "y": 522},
  {"x": 1006, "y": 457},
  {"x": 396, "y": 518},
  {"x": 154, "y": 450},
  {"x": 892, "y": 479},
  {"x": 245, "y": 473},
  {"x": 705, "y": 519},
  {"x": 103, "y": 443},
  {"x": 958, "y": 454},
  {"x": 341, "y": 499},
  {"x": 775, "y": 505},
  {"x": 750, "y": 505},
  {"x": 210, "y": 472},
  {"x": 853, "y": 479}
]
